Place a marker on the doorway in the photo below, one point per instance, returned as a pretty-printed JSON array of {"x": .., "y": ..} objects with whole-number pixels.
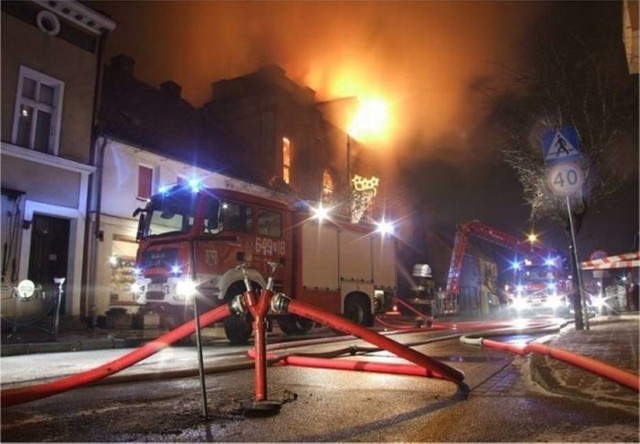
[{"x": 49, "y": 253}]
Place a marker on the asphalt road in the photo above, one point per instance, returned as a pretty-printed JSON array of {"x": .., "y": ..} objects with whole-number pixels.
[{"x": 317, "y": 404}]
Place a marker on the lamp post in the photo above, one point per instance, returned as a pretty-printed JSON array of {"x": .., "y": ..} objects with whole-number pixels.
[
  {"x": 350, "y": 103},
  {"x": 369, "y": 119},
  {"x": 349, "y": 174}
]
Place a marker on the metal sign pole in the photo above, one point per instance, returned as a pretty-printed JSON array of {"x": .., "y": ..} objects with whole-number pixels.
[
  {"x": 200, "y": 360},
  {"x": 560, "y": 147},
  {"x": 194, "y": 297},
  {"x": 581, "y": 316}
]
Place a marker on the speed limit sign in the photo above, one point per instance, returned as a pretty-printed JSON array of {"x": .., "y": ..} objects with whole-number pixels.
[{"x": 565, "y": 178}]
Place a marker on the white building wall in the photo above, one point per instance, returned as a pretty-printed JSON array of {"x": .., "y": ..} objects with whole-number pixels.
[
  {"x": 118, "y": 201},
  {"x": 75, "y": 214}
]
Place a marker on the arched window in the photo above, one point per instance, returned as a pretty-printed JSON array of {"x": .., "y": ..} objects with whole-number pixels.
[{"x": 327, "y": 188}]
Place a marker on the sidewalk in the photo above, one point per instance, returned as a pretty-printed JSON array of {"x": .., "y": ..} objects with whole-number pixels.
[
  {"x": 610, "y": 339},
  {"x": 30, "y": 340},
  {"x": 613, "y": 340}
]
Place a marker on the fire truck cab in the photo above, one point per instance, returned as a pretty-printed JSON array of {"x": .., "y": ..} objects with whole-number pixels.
[
  {"x": 192, "y": 240},
  {"x": 540, "y": 287}
]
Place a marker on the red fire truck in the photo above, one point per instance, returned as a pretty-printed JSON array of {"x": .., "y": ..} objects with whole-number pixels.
[
  {"x": 539, "y": 279},
  {"x": 192, "y": 240}
]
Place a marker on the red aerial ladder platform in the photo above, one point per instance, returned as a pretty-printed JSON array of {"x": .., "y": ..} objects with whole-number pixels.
[{"x": 532, "y": 252}]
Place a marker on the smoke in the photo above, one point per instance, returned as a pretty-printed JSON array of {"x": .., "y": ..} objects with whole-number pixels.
[{"x": 423, "y": 58}]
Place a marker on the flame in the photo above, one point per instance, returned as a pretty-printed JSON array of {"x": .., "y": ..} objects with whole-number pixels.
[
  {"x": 422, "y": 59},
  {"x": 371, "y": 119}
]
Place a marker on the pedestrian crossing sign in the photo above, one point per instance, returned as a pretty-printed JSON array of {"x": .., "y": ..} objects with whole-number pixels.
[{"x": 561, "y": 145}]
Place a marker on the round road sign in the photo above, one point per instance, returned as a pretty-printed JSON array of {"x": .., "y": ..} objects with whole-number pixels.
[{"x": 565, "y": 178}]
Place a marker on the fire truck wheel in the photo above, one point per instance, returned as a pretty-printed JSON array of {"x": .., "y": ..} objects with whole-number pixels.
[
  {"x": 356, "y": 310},
  {"x": 238, "y": 328},
  {"x": 295, "y": 325}
]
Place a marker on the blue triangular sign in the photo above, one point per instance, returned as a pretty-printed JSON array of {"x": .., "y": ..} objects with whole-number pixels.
[{"x": 561, "y": 145}]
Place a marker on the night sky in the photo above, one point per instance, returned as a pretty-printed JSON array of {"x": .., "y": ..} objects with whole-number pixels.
[{"x": 424, "y": 58}]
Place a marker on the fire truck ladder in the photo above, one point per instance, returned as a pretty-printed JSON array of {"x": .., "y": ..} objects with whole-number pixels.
[{"x": 489, "y": 234}]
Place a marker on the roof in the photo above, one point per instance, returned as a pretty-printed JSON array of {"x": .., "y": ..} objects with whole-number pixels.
[{"x": 161, "y": 122}]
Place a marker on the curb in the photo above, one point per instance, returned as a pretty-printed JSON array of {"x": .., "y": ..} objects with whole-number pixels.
[
  {"x": 88, "y": 344},
  {"x": 59, "y": 347}
]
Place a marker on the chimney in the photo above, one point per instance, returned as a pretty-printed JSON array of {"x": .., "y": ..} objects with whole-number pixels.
[
  {"x": 171, "y": 88},
  {"x": 123, "y": 63}
]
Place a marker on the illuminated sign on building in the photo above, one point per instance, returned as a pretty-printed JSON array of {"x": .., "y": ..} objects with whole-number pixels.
[{"x": 365, "y": 191}]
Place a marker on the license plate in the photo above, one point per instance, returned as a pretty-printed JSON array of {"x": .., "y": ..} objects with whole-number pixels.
[{"x": 155, "y": 287}]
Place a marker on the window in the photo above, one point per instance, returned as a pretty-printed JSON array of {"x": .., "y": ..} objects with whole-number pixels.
[
  {"x": 286, "y": 160},
  {"x": 236, "y": 217},
  {"x": 211, "y": 223},
  {"x": 269, "y": 223},
  {"x": 145, "y": 182},
  {"x": 38, "y": 111},
  {"x": 327, "y": 188}
]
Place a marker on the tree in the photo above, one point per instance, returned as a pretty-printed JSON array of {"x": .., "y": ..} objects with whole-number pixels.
[{"x": 574, "y": 75}]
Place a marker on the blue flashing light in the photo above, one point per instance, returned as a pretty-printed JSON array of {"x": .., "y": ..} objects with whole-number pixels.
[
  {"x": 515, "y": 265},
  {"x": 175, "y": 269},
  {"x": 195, "y": 185},
  {"x": 549, "y": 261},
  {"x": 163, "y": 189}
]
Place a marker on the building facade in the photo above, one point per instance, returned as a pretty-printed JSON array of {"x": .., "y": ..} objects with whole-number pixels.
[
  {"x": 284, "y": 132},
  {"x": 261, "y": 133},
  {"x": 149, "y": 138},
  {"x": 50, "y": 67},
  {"x": 478, "y": 294}
]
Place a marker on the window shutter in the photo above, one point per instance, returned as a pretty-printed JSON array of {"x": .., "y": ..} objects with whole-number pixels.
[{"x": 145, "y": 178}]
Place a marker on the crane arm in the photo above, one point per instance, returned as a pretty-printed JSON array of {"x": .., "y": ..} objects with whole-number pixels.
[{"x": 485, "y": 232}]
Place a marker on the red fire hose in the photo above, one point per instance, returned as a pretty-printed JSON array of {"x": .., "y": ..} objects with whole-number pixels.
[
  {"x": 433, "y": 367},
  {"x": 595, "y": 366},
  {"x": 21, "y": 395},
  {"x": 615, "y": 374},
  {"x": 341, "y": 364},
  {"x": 618, "y": 375},
  {"x": 408, "y": 328}
]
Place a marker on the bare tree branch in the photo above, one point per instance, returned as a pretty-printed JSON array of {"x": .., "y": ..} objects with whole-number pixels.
[{"x": 569, "y": 81}]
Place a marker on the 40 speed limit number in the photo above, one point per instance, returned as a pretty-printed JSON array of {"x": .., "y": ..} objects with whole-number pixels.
[{"x": 565, "y": 179}]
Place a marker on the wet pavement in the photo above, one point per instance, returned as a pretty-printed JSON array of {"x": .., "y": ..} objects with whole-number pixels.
[{"x": 611, "y": 339}]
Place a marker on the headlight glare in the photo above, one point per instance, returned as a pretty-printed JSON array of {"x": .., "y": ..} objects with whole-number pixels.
[{"x": 186, "y": 288}]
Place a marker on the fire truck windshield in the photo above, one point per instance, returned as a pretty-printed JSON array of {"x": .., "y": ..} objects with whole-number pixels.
[
  {"x": 170, "y": 213},
  {"x": 537, "y": 273}
]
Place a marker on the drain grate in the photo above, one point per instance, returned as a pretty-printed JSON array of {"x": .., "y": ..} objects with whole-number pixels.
[{"x": 507, "y": 382}]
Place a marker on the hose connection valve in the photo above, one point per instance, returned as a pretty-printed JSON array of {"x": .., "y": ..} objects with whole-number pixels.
[
  {"x": 236, "y": 305},
  {"x": 280, "y": 303}
]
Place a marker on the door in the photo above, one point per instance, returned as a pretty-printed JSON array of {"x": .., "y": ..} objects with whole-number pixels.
[{"x": 49, "y": 252}]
